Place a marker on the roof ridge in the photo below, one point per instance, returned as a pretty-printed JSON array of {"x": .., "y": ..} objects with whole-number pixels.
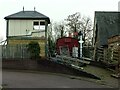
[{"x": 27, "y": 15}]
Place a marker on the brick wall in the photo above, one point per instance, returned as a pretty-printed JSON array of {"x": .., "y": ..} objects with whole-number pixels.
[
  {"x": 44, "y": 65},
  {"x": 41, "y": 43}
]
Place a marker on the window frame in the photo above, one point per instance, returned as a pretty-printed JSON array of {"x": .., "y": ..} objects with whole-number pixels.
[{"x": 39, "y": 24}]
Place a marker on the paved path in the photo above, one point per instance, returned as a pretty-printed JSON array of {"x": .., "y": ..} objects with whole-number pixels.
[{"x": 12, "y": 79}]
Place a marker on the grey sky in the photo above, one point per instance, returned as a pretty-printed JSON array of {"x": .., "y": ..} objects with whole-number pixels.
[{"x": 57, "y": 10}]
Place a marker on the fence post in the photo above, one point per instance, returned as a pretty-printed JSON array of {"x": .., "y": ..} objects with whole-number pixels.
[{"x": 119, "y": 61}]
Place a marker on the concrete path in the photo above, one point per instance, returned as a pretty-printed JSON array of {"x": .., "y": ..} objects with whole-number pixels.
[{"x": 15, "y": 79}]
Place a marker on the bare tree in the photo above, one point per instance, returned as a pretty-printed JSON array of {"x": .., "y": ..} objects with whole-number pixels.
[
  {"x": 76, "y": 23},
  {"x": 73, "y": 22},
  {"x": 86, "y": 28},
  {"x": 59, "y": 29},
  {"x": 51, "y": 40},
  {"x": 55, "y": 31}
]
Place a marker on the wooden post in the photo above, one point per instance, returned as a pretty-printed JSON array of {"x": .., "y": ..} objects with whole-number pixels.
[
  {"x": 94, "y": 52},
  {"x": 118, "y": 61}
]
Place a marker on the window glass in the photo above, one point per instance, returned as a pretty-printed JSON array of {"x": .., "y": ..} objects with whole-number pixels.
[
  {"x": 42, "y": 25},
  {"x": 35, "y": 25},
  {"x": 39, "y": 25}
]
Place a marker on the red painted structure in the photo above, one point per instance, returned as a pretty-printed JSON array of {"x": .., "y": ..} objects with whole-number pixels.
[{"x": 66, "y": 42}]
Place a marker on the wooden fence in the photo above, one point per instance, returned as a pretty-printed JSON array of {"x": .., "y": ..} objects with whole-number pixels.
[
  {"x": 116, "y": 55},
  {"x": 15, "y": 51},
  {"x": 108, "y": 56}
]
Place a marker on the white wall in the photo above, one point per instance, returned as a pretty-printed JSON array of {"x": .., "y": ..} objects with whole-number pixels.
[
  {"x": 119, "y": 6},
  {"x": 22, "y": 27}
]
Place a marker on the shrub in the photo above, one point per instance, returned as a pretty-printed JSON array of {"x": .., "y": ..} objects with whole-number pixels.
[{"x": 34, "y": 49}]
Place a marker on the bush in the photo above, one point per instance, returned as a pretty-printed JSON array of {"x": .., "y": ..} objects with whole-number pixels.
[
  {"x": 34, "y": 49},
  {"x": 87, "y": 52}
]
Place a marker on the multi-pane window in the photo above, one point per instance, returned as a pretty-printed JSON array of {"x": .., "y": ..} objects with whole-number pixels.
[
  {"x": 39, "y": 25},
  {"x": 36, "y": 25},
  {"x": 42, "y": 25}
]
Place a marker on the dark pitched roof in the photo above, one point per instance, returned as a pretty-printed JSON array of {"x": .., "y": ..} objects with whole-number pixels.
[
  {"x": 108, "y": 25},
  {"x": 27, "y": 15}
]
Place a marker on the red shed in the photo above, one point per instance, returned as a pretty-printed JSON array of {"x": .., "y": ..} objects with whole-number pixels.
[{"x": 65, "y": 45}]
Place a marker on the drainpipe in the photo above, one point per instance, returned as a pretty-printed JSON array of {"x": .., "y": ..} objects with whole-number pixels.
[{"x": 46, "y": 39}]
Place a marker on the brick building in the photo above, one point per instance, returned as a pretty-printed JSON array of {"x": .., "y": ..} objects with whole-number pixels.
[{"x": 25, "y": 26}]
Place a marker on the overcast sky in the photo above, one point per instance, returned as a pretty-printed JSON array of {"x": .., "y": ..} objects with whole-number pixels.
[{"x": 56, "y": 10}]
